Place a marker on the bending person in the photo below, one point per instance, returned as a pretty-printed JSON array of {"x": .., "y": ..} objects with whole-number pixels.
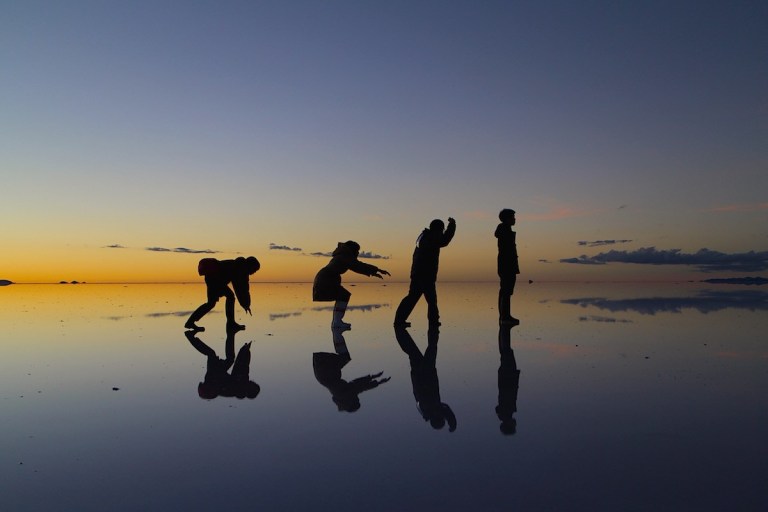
[{"x": 218, "y": 275}]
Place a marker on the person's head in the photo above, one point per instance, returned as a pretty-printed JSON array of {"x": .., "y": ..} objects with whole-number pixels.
[
  {"x": 352, "y": 245},
  {"x": 437, "y": 226},
  {"x": 507, "y": 216},
  {"x": 249, "y": 390},
  {"x": 207, "y": 391},
  {"x": 252, "y": 264}
]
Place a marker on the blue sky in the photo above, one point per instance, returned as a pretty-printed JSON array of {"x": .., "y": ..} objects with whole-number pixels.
[{"x": 232, "y": 125}]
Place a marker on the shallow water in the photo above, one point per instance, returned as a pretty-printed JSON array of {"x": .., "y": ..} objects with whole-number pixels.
[{"x": 630, "y": 397}]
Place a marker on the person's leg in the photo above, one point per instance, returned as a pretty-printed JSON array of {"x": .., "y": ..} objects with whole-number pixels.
[
  {"x": 339, "y": 308},
  {"x": 229, "y": 309},
  {"x": 433, "y": 313},
  {"x": 213, "y": 298},
  {"x": 506, "y": 289},
  {"x": 407, "y": 304}
]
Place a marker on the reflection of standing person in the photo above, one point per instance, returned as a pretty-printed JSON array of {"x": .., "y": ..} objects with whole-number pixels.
[
  {"x": 327, "y": 286},
  {"x": 507, "y": 264},
  {"x": 509, "y": 380},
  {"x": 219, "y": 381},
  {"x": 426, "y": 258},
  {"x": 218, "y": 274},
  {"x": 426, "y": 386},
  {"x": 327, "y": 367}
]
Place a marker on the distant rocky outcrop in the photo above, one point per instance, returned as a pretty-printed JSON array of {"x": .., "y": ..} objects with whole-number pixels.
[
  {"x": 5, "y": 282},
  {"x": 758, "y": 281}
]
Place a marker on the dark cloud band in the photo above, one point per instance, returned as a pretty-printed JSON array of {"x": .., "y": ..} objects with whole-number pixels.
[{"x": 704, "y": 259}]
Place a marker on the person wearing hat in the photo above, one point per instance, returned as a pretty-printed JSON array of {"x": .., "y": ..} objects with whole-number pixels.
[
  {"x": 327, "y": 285},
  {"x": 507, "y": 264},
  {"x": 218, "y": 275},
  {"x": 426, "y": 258}
]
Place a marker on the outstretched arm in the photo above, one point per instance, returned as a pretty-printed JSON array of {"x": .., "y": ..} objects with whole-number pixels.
[
  {"x": 367, "y": 269},
  {"x": 242, "y": 293},
  {"x": 449, "y": 232}
]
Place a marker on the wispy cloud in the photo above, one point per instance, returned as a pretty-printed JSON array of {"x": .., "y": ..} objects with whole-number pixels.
[
  {"x": 751, "y": 207},
  {"x": 704, "y": 259},
  {"x": 114, "y": 246},
  {"x": 182, "y": 250},
  {"x": 276, "y": 247},
  {"x": 371, "y": 256},
  {"x": 363, "y": 255},
  {"x": 599, "y": 243}
]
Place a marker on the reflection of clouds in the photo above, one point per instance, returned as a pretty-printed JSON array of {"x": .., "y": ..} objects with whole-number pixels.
[
  {"x": 170, "y": 313},
  {"x": 362, "y": 307},
  {"x": 705, "y": 302},
  {"x": 604, "y": 319},
  {"x": 704, "y": 259},
  {"x": 277, "y": 316}
]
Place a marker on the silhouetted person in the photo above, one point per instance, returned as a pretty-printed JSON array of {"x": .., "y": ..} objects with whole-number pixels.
[
  {"x": 327, "y": 367},
  {"x": 327, "y": 286},
  {"x": 507, "y": 264},
  {"x": 509, "y": 379},
  {"x": 426, "y": 387},
  {"x": 426, "y": 258},
  {"x": 218, "y": 275},
  {"x": 219, "y": 380}
]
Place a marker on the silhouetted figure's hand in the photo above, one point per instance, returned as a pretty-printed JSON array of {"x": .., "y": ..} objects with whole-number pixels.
[
  {"x": 248, "y": 310},
  {"x": 379, "y": 273},
  {"x": 451, "y": 220}
]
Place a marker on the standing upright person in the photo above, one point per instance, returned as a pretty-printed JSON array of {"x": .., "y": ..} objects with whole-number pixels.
[
  {"x": 327, "y": 285},
  {"x": 507, "y": 264},
  {"x": 426, "y": 258},
  {"x": 218, "y": 275}
]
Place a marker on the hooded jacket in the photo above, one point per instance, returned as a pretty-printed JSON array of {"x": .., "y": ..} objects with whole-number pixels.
[
  {"x": 343, "y": 258},
  {"x": 507, "y": 259},
  {"x": 426, "y": 255}
]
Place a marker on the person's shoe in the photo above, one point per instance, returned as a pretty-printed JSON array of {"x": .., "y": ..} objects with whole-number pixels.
[
  {"x": 191, "y": 326},
  {"x": 402, "y": 325},
  {"x": 338, "y": 324},
  {"x": 234, "y": 327}
]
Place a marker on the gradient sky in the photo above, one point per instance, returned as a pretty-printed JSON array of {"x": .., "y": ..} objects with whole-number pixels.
[{"x": 227, "y": 126}]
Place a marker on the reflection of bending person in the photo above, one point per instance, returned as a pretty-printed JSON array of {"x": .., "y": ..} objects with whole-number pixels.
[
  {"x": 509, "y": 379},
  {"x": 218, "y": 274},
  {"x": 507, "y": 264},
  {"x": 219, "y": 381},
  {"x": 327, "y": 286},
  {"x": 327, "y": 367},
  {"x": 426, "y": 387},
  {"x": 426, "y": 258}
]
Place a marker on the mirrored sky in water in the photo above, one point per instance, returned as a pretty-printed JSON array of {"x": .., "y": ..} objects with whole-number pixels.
[{"x": 628, "y": 398}]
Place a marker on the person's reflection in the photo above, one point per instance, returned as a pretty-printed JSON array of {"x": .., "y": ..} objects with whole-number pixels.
[
  {"x": 426, "y": 387},
  {"x": 327, "y": 367},
  {"x": 509, "y": 379},
  {"x": 219, "y": 380}
]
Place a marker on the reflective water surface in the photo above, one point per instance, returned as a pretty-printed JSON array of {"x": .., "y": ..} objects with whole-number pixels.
[{"x": 604, "y": 397}]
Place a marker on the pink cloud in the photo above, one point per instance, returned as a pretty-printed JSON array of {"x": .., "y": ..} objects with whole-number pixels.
[
  {"x": 558, "y": 213},
  {"x": 755, "y": 207}
]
